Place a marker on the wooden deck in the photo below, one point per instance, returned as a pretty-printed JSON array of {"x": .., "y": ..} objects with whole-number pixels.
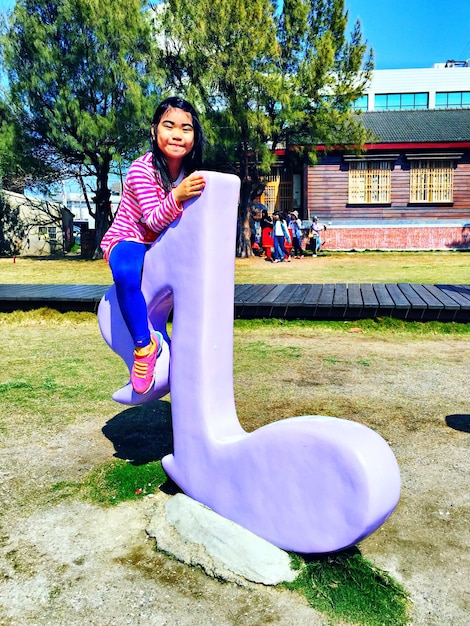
[{"x": 340, "y": 301}]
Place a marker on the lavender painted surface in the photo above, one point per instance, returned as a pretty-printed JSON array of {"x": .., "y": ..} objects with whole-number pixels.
[{"x": 309, "y": 484}]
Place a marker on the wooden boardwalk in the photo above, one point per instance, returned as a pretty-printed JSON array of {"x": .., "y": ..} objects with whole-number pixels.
[{"x": 338, "y": 301}]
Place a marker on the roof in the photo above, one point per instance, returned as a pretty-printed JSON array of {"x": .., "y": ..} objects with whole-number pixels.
[{"x": 420, "y": 126}]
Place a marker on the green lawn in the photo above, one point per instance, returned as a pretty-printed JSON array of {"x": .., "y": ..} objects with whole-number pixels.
[{"x": 329, "y": 267}]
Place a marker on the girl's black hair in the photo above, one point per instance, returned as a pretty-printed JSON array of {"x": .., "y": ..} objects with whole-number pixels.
[{"x": 191, "y": 161}]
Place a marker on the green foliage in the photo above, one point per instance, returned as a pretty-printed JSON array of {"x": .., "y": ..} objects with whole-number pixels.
[
  {"x": 347, "y": 586},
  {"x": 21, "y": 162},
  {"x": 79, "y": 74},
  {"x": 266, "y": 77}
]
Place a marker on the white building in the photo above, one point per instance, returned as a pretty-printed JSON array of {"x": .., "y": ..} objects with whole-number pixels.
[
  {"x": 76, "y": 204},
  {"x": 443, "y": 86}
]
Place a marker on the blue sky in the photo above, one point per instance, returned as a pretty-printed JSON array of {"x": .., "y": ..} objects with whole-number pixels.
[{"x": 413, "y": 33}]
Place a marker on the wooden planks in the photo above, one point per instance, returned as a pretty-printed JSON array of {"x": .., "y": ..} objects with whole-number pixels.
[
  {"x": 340, "y": 301},
  {"x": 60, "y": 297},
  {"x": 335, "y": 301}
]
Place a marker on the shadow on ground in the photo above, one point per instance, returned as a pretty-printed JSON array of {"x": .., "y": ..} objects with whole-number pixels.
[
  {"x": 459, "y": 422},
  {"x": 142, "y": 433}
]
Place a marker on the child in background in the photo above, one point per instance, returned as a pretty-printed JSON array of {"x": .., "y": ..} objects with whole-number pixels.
[
  {"x": 155, "y": 187},
  {"x": 281, "y": 236},
  {"x": 315, "y": 231},
  {"x": 295, "y": 226}
]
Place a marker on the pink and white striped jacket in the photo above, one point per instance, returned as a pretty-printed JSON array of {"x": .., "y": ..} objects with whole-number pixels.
[{"x": 145, "y": 209}]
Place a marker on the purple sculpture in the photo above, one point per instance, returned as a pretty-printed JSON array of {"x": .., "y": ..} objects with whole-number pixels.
[{"x": 308, "y": 484}]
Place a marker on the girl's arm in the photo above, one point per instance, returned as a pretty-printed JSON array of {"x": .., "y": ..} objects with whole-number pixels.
[{"x": 158, "y": 207}]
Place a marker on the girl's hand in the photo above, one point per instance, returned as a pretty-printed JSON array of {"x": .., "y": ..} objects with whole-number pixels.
[{"x": 190, "y": 187}]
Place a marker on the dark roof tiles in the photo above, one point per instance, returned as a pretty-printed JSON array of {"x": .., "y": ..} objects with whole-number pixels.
[{"x": 426, "y": 126}]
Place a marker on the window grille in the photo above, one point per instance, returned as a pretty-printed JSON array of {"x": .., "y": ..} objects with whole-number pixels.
[
  {"x": 369, "y": 182},
  {"x": 278, "y": 195},
  {"x": 431, "y": 181},
  {"x": 269, "y": 196}
]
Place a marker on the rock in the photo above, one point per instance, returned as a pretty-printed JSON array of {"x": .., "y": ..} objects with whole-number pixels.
[{"x": 196, "y": 535}]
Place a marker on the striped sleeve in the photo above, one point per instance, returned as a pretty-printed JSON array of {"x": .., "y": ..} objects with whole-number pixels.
[{"x": 157, "y": 208}]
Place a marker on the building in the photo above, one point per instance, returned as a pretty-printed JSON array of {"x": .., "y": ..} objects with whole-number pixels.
[
  {"x": 410, "y": 189},
  {"x": 34, "y": 227},
  {"x": 76, "y": 203},
  {"x": 443, "y": 86}
]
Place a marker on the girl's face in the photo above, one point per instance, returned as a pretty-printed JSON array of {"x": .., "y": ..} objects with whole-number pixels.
[{"x": 174, "y": 135}]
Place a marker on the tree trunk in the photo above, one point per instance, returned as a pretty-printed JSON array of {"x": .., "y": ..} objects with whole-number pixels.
[
  {"x": 243, "y": 228},
  {"x": 243, "y": 222},
  {"x": 103, "y": 216}
]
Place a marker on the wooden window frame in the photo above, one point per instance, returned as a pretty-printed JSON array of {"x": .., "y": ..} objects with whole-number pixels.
[
  {"x": 370, "y": 182},
  {"x": 278, "y": 192},
  {"x": 431, "y": 181}
]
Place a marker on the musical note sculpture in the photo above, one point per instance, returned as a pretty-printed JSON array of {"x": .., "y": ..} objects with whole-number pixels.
[{"x": 310, "y": 484}]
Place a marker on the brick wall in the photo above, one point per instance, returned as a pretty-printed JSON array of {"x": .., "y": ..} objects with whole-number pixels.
[{"x": 397, "y": 238}]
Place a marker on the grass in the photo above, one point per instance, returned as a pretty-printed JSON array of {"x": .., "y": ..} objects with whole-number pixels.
[
  {"x": 114, "y": 482},
  {"x": 344, "y": 585},
  {"x": 379, "y": 325},
  {"x": 347, "y": 586},
  {"x": 330, "y": 267},
  {"x": 118, "y": 481}
]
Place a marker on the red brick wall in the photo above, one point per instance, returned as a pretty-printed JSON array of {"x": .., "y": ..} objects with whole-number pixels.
[{"x": 396, "y": 238}]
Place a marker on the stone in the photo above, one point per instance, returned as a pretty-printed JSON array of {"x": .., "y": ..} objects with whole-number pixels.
[{"x": 196, "y": 535}]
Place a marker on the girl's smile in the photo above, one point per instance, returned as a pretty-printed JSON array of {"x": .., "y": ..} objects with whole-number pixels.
[{"x": 174, "y": 136}]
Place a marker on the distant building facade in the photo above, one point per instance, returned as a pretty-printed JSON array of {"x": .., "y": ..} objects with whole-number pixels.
[
  {"x": 443, "y": 86},
  {"x": 76, "y": 204},
  {"x": 410, "y": 189},
  {"x": 34, "y": 227}
]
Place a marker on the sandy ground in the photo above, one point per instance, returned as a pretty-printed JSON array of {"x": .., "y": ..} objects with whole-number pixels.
[{"x": 67, "y": 562}]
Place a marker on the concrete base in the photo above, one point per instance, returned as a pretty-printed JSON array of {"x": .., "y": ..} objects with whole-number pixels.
[{"x": 195, "y": 535}]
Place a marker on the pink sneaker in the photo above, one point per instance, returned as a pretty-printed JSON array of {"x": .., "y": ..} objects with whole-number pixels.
[{"x": 143, "y": 370}]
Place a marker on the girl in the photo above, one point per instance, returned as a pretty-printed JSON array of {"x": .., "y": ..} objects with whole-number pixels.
[
  {"x": 295, "y": 226},
  {"x": 281, "y": 235},
  {"x": 155, "y": 187}
]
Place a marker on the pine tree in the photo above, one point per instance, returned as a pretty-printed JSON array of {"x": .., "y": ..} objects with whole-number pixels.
[
  {"x": 266, "y": 76},
  {"x": 79, "y": 77}
]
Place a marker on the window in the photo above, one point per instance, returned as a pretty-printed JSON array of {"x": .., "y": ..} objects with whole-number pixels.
[
  {"x": 431, "y": 181},
  {"x": 452, "y": 99},
  {"x": 278, "y": 193},
  {"x": 49, "y": 232},
  {"x": 369, "y": 182},
  {"x": 400, "y": 101},
  {"x": 361, "y": 104}
]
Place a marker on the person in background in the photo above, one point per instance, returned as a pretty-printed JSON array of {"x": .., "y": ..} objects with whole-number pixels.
[
  {"x": 315, "y": 230},
  {"x": 295, "y": 226},
  {"x": 255, "y": 231},
  {"x": 155, "y": 188},
  {"x": 281, "y": 235},
  {"x": 266, "y": 221}
]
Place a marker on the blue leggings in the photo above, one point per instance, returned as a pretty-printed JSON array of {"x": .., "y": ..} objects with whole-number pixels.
[{"x": 126, "y": 262}]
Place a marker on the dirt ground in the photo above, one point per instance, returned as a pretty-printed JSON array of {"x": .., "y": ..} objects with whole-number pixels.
[{"x": 69, "y": 562}]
